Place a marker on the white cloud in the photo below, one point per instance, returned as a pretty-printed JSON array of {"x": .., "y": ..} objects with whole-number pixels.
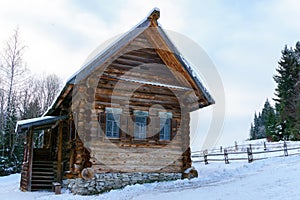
[
  {"x": 52, "y": 31},
  {"x": 243, "y": 39}
]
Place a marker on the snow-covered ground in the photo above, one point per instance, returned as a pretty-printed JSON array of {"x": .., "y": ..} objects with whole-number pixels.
[{"x": 273, "y": 178}]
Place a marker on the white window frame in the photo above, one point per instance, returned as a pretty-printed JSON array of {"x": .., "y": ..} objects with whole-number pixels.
[
  {"x": 113, "y": 119},
  {"x": 140, "y": 124}
]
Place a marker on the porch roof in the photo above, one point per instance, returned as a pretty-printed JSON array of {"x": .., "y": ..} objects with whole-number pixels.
[{"x": 39, "y": 121}]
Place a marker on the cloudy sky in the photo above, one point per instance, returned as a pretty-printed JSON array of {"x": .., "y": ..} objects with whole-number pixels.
[{"x": 243, "y": 39}]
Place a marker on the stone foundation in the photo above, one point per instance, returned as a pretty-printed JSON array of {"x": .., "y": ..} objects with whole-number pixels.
[{"x": 108, "y": 181}]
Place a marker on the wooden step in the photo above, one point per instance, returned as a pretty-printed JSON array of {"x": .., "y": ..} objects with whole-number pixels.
[
  {"x": 42, "y": 173},
  {"x": 42, "y": 181},
  {"x": 50, "y": 176},
  {"x": 42, "y": 168},
  {"x": 43, "y": 163},
  {"x": 41, "y": 186}
]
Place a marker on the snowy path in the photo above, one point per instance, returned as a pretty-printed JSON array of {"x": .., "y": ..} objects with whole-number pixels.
[{"x": 276, "y": 178}]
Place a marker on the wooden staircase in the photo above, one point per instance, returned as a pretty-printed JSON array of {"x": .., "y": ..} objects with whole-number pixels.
[
  {"x": 42, "y": 175},
  {"x": 43, "y": 170}
]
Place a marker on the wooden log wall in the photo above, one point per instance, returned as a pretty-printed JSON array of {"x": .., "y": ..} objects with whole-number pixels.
[{"x": 126, "y": 84}]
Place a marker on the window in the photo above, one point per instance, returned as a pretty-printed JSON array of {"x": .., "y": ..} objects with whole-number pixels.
[
  {"x": 113, "y": 122},
  {"x": 165, "y": 125},
  {"x": 140, "y": 127},
  {"x": 140, "y": 124},
  {"x": 165, "y": 129}
]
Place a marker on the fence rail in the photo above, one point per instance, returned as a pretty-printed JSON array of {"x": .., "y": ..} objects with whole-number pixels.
[{"x": 250, "y": 152}]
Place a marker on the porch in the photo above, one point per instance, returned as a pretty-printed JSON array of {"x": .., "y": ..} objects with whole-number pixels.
[{"x": 43, "y": 161}]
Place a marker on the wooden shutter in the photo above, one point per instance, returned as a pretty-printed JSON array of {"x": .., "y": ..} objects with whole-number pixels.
[
  {"x": 149, "y": 134},
  {"x": 130, "y": 127},
  {"x": 173, "y": 131},
  {"x": 123, "y": 126},
  {"x": 102, "y": 121},
  {"x": 156, "y": 128}
]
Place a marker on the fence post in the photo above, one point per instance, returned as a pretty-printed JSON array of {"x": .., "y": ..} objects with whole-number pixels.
[
  {"x": 265, "y": 146},
  {"x": 205, "y": 153},
  {"x": 226, "y": 156},
  {"x": 221, "y": 149},
  {"x": 250, "y": 155},
  {"x": 236, "y": 145},
  {"x": 285, "y": 149}
]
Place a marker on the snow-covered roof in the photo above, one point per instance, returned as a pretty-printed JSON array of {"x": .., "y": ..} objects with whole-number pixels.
[
  {"x": 103, "y": 54},
  {"x": 39, "y": 121}
]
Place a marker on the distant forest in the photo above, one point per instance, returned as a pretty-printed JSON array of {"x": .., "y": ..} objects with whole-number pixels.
[
  {"x": 22, "y": 96},
  {"x": 282, "y": 122}
]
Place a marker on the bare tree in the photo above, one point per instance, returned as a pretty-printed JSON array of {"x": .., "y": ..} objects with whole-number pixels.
[
  {"x": 38, "y": 95},
  {"x": 13, "y": 73},
  {"x": 13, "y": 68},
  {"x": 21, "y": 96},
  {"x": 46, "y": 89},
  {"x": 51, "y": 88}
]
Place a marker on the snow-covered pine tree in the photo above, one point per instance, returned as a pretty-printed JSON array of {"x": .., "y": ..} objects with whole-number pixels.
[
  {"x": 257, "y": 130},
  {"x": 286, "y": 95},
  {"x": 296, "y": 132},
  {"x": 264, "y": 124},
  {"x": 269, "y": 120}
]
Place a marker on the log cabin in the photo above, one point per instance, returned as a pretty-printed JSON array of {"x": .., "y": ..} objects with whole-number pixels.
[{"x": 122, "y": 119}]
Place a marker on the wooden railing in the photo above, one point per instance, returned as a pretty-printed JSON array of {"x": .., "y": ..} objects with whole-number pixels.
[{"x": 249, "y": 152}]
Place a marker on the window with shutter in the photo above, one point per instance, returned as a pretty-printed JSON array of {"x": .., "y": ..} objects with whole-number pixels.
[
  {"x": 165, "y": 129},
  {"x": 165, "y": 125},
  {"x": 112, "y": 122},
  {"x": 140, "y": 124}
]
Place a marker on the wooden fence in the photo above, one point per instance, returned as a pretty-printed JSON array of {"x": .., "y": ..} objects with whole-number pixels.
[{"x": 249, "y": 152}]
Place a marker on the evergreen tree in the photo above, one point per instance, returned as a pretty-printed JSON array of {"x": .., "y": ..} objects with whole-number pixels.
[
  {"x": 287, "y": 97},
  {"x": 269, "y": 120},
  {"x": 252, "y": 133},
  {"x": 264, "y": 123}
]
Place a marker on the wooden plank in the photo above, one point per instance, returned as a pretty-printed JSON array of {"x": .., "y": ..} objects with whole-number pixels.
[
  {"x": 170, "y": 60},
  {"x": 30, "y": 158},
  {"x": 59, "y": 152},
  {"x": 110, "y": 83},
  {"x": 147, "y": 73},
  {"x": 144, "y": 52},
  {"x": 135, "y": 96},
  {"x": 144, "y": 58}
]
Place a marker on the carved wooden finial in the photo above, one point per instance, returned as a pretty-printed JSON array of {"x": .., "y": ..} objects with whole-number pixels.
[{"x": 154, "y": 14}]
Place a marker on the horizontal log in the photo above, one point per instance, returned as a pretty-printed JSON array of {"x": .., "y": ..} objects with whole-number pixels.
[
  {"x": 136, "y": 104},
  {"x": 136, "y": 94},
  {"x": 132, "y": 86},
  {"x": 145, "y": 169},
  {"x": 144, "y": 72},
  {"x": 124, "y": 61},
  {"x": 136, "y": 99},
  {"x": 145, "y": 52},
  {"x": 144, "y": 58},
  {"x": 119, "y": 151},
  {"x": 136, "y": 157},
  {"x": 143, "y": 145},
  {"x": 131, "y": 162}
]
